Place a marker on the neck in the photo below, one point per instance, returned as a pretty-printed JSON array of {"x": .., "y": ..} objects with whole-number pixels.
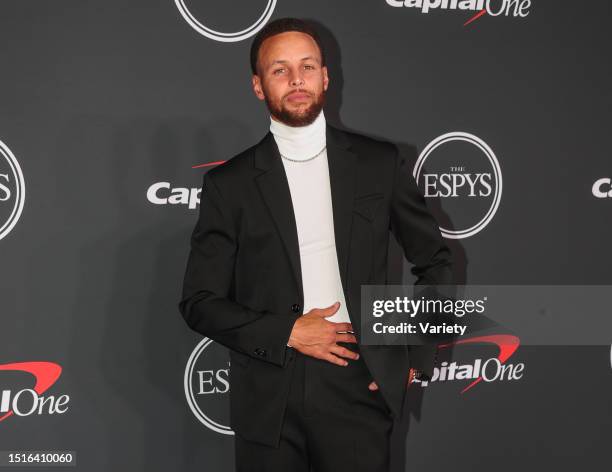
[{"x": 299, "y": 142}]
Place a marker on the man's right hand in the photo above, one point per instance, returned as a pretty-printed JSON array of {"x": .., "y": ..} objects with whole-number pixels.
[{"x": 314, "y": 336}]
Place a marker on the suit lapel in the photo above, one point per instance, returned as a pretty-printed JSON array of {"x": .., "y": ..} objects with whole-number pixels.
[
  {"x": 341, "y": 161},
  {"x": 274, "y": 189}
]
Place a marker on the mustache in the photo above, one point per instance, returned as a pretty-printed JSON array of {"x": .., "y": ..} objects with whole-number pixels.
[{"x": 299, "y": 91}]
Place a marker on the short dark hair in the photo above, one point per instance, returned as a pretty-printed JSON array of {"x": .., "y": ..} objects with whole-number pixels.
[{"x": 283, "y": 25}]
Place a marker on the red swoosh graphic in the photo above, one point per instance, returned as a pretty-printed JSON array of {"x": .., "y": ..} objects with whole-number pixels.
[
  {"x": 208, "y": 164},
  {"x": 476, "y": 16},
  {"x": 506, "y": 343},
  {"x": 45, "y": 374}
]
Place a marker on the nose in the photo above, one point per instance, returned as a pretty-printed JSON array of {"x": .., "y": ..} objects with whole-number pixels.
[{"x": 296, "y": 79}]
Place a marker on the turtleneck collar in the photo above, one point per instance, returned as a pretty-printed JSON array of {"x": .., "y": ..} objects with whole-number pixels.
[{"x": 299, "y": 142}]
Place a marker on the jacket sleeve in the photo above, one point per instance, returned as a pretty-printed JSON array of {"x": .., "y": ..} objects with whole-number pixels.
[
  {"x": 418, "y": 233},
  {"x": 207, "y": 305}
]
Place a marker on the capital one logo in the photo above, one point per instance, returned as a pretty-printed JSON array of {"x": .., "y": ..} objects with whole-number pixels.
[
  {"x": 12, "y": 190},
  {"x": 207, "y": 385},
  {"x": 460, "y": 172},
  {"x": 20, "y": 401},
  {"x": 602, "y": 188},
  {"x": 493, "y": 369},
  {"x": 191, "y": 17},
  {"x": 164, "y": 193},
  {"x": 493, "y": 8}
]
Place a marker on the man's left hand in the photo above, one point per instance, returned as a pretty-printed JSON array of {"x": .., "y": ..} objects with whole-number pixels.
[{"x": 411, "y": 376}]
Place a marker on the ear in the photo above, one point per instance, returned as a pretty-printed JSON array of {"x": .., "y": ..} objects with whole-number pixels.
[
  {"x": 257, "y": 88},
  {"x": 325, "y": 78}
]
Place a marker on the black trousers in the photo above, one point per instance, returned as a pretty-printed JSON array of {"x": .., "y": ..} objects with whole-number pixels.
[{"x": 332, "y": 422}]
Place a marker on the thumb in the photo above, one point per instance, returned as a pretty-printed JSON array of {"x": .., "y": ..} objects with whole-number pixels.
[
  {"x": 373, "y": 386},
  {"x": 329, "y": 311}
]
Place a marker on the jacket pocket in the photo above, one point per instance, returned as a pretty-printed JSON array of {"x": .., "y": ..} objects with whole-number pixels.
[{"x": 367, "y": 205}]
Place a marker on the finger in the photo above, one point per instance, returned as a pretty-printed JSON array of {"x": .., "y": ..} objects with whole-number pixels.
[
  {"x": 344, "y": 352},
  {"x": 328, "y": 311},
  {"x": 411, "y": 374},
  {"x": 346, "y": 338},
  {"x": 335, "y": 360},
  {"x": 373, "y": 386},
  {"x": 332, "y": 309},
  {"x": 342, "y": 326}
]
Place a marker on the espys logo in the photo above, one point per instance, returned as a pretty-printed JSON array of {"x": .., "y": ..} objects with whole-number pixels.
[
  {"x": 207, "y": 385},
  {"x": 464, "y": 174},
  {"x": 12, "y": 190},
  {"x": 190, "y": 17},
  {"x": 494, "y": 369},
  {"x": 30, "y": 401},
  {"x": 494, "y": 8},
  {"x": 602, "y": 188},
  {"x": 163, "y": 193}
]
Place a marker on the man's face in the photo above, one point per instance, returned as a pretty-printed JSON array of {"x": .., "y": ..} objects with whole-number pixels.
[{"x": 290, "y": 78}]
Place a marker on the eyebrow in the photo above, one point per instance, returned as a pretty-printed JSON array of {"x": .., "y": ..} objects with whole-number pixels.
[{"x": 283, "y": 61}]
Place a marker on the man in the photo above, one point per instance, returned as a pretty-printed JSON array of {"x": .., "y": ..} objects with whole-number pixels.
[{"x": 288, "y": 232}]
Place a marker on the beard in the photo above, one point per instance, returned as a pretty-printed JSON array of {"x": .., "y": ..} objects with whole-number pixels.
[{"x": 297, "y": 118}]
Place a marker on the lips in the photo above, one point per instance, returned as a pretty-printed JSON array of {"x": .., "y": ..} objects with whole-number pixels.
[{"x": 295, "y": 96}]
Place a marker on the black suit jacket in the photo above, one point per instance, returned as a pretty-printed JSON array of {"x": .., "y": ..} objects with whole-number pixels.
[{"x": 243, "y": 285}]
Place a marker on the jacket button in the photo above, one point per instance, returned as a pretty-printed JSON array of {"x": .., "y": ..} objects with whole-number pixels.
[
  {"x": 295, "y": 308},
  {"x": 260, "y": 352}
]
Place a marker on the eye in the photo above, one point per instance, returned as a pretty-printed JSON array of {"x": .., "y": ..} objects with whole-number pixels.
[
  {"x": 277, "y": 71},
  {"x": 308, "y": 66}
]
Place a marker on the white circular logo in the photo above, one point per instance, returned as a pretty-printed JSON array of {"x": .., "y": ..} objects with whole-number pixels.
[
  {"x": 468, "y": 184},
  {"x": 219, "y": 35},
  {"x": 207, "y": 385},
  {"x": 12, "y": 190}
]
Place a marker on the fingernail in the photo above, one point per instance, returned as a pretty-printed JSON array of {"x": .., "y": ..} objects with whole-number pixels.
[{"x": 345, "y": 363}]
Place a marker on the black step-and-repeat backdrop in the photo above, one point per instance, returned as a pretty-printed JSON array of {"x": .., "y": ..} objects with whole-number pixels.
[{"x": 110, "y": 114}]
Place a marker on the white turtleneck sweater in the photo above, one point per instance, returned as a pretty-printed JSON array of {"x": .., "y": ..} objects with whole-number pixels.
[{"x": 312, "y": 205}]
